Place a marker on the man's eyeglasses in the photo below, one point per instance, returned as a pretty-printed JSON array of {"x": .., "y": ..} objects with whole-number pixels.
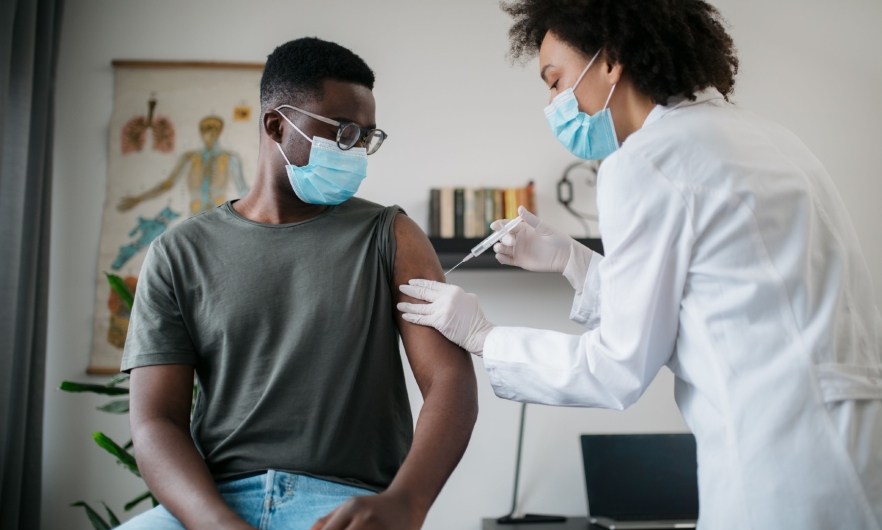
[{"x": 348, "y": 133}]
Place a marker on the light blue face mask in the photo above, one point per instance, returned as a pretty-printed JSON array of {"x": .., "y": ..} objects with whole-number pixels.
[
  {"x": 588, "y": 137},
  {"x": 332, "y": 175}
]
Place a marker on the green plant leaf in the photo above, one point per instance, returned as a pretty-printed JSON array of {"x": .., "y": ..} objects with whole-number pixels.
[
  {"x": 114, "y": 520},
  {"x": 70, "y": 386},
  {"x": 97, "y": 522},
  {"x": 154, "y": 501},
  {"x": 138, "y": 500},
  {"x": 129, "y": 445},
  {"x": 118, "y": 379},
  {"x": 119, "y": 285},
  {"x": 116, "y": 407},
  {"x": 121, "y": 454}
]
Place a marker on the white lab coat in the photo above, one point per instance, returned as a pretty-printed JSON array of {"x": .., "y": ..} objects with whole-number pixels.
[{"x": 731, "y": 259}]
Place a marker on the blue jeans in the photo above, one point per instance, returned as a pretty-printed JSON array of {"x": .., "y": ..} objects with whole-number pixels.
[{"x": 272, "y": 500}]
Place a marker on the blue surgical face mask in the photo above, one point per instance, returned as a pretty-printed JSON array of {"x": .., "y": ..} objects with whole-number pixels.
[
  {"x": 332, "y": 175},
  {"x": 588, "y": 137}
]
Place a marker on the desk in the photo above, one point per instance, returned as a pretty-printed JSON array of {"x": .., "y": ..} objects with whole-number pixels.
[{"x": 573, "y": 523}]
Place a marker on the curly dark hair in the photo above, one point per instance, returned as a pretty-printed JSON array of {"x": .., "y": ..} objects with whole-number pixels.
[
  {"x": 667, "y": 47},
  {"x": 295, "y": 70}
]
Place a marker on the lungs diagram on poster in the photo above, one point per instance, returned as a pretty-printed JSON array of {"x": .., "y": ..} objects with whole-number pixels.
[{"x": 183, "y": 140}]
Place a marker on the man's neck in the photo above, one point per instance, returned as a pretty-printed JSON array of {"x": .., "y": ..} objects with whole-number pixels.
[{"x": 272, "y": 200}]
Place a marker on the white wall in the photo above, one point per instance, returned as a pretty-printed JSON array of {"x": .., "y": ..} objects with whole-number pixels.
[{"x": 811, "y": 65}]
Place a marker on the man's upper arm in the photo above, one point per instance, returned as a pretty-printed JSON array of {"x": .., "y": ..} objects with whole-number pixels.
[
  {"x": 159, "y": 352},
  {"x": 428, "y": 352},
  {"x": 157, "y": 332},
  {"x": 163, "y": 391}
]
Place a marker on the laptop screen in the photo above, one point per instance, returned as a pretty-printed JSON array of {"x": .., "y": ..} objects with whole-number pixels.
[{"x": 641, "y": 476}]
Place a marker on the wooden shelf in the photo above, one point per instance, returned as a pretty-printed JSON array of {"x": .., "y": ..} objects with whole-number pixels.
[{"x": 451, "y": 251}]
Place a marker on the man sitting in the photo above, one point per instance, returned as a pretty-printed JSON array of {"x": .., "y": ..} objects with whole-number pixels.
[{"x": 284, "y": 305}]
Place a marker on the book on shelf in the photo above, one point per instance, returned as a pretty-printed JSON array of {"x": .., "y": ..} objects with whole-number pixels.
[
  {"x": 435, "y": 209},
  {"x": 489, "y": 208},
  {"x": 458, "y": 212},
  {"x": 446, "y": 215},
  {"x": 468, "y": 212}
]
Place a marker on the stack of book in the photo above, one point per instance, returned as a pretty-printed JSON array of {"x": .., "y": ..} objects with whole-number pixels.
[{"x": 468, "y": 212}]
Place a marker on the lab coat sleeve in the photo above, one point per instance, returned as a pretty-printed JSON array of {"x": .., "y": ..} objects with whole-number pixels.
[{"x": 647, "y": 237}]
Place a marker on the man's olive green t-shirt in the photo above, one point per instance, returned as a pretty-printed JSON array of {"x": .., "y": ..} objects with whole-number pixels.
[{"x": 292, "y": 335}]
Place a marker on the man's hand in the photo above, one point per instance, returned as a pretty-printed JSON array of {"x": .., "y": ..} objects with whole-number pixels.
[
  {"x": 384, "y": 511},
  {"x": 452, "y": 311}
]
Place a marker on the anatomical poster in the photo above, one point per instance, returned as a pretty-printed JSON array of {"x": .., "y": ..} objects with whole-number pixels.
[{"x": 183, "y": 139}]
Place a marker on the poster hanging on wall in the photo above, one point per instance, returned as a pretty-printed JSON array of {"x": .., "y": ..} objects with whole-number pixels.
[{"x": 183, "y": 139}]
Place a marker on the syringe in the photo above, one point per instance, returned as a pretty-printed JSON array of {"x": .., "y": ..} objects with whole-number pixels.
[{"x": 479, "y": 249}]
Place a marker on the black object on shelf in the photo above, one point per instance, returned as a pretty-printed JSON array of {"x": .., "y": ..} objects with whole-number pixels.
[
  {"x": 527, "y": 518},
  {"x": 452, "y": 251}
]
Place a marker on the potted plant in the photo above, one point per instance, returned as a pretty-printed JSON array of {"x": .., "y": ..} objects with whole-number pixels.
[{"x": 124, "y": 454}]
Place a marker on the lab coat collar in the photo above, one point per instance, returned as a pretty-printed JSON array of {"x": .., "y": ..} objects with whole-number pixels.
[{"x": 677, "y": 102}]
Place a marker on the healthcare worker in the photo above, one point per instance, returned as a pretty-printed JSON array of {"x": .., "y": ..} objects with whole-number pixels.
[{"x": 729, "y": 258}]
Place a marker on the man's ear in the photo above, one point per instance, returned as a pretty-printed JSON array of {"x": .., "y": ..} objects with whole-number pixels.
[{"x": 272, "y": 126}]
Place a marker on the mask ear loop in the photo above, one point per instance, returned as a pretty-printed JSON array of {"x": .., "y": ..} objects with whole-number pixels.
[
  {"x": 288, "y": 162},
  {"x": 609, "y": 97},
  {"x": 585, "y": 71},
  {"x": 296, "y": 128}
]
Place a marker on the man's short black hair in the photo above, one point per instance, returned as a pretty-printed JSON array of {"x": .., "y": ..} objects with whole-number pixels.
[{"x": 295, "y": 70}]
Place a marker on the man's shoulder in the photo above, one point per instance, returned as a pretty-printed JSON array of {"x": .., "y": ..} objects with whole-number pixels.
[
  {"x": 357, "y": 205},
  {"x": 361, "y": 209},
  {"x": 193, "y": 227}
]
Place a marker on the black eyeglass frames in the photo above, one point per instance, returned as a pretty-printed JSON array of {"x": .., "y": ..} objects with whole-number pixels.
[{"x": 348, "y": 133}]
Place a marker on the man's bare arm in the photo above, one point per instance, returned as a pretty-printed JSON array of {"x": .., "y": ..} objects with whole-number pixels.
[
  {"x": 167, "y": 457},
  {"x": 444, "y": 373},
  {"x": 446, "y": 378}
]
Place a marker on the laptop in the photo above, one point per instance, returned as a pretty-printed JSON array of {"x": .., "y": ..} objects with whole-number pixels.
[{"x": 641, "y": 481}]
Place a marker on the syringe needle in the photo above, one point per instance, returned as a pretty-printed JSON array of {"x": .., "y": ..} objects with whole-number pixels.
[
  {"x": 455, "y": 266},
  {"x": 465, "y": 259}
]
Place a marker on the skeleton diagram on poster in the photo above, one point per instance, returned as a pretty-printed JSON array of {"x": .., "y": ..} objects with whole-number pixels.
[{"x": 182, "y": 141}]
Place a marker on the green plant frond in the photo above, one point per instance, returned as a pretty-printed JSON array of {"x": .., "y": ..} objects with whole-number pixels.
[
  {"x": 116, "y": 407},
  {"x": 130, "y": 444},
  {"x": 70, "y": 386},
  {"x": 154, "y": 501},
  {"x": 114, "y": 520},
  {"x": 119, "y": 285},
  {"x": 124, "y": 457},
  {"x": 97, "y": 522},
  {"x": 118, "y": 379},
  {"x": 138, "y": 500}
]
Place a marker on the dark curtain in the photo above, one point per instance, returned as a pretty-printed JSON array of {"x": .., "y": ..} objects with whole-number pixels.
[{"x": 29, "y": 34}]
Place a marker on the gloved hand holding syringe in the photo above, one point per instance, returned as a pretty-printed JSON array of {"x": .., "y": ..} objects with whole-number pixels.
[{"x": 488, "y": 243}]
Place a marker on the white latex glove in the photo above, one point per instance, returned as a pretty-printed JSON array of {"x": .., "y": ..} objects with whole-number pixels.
[
  {"x": 535, "y": 246},
  {"x": 452, "y": 311}
]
